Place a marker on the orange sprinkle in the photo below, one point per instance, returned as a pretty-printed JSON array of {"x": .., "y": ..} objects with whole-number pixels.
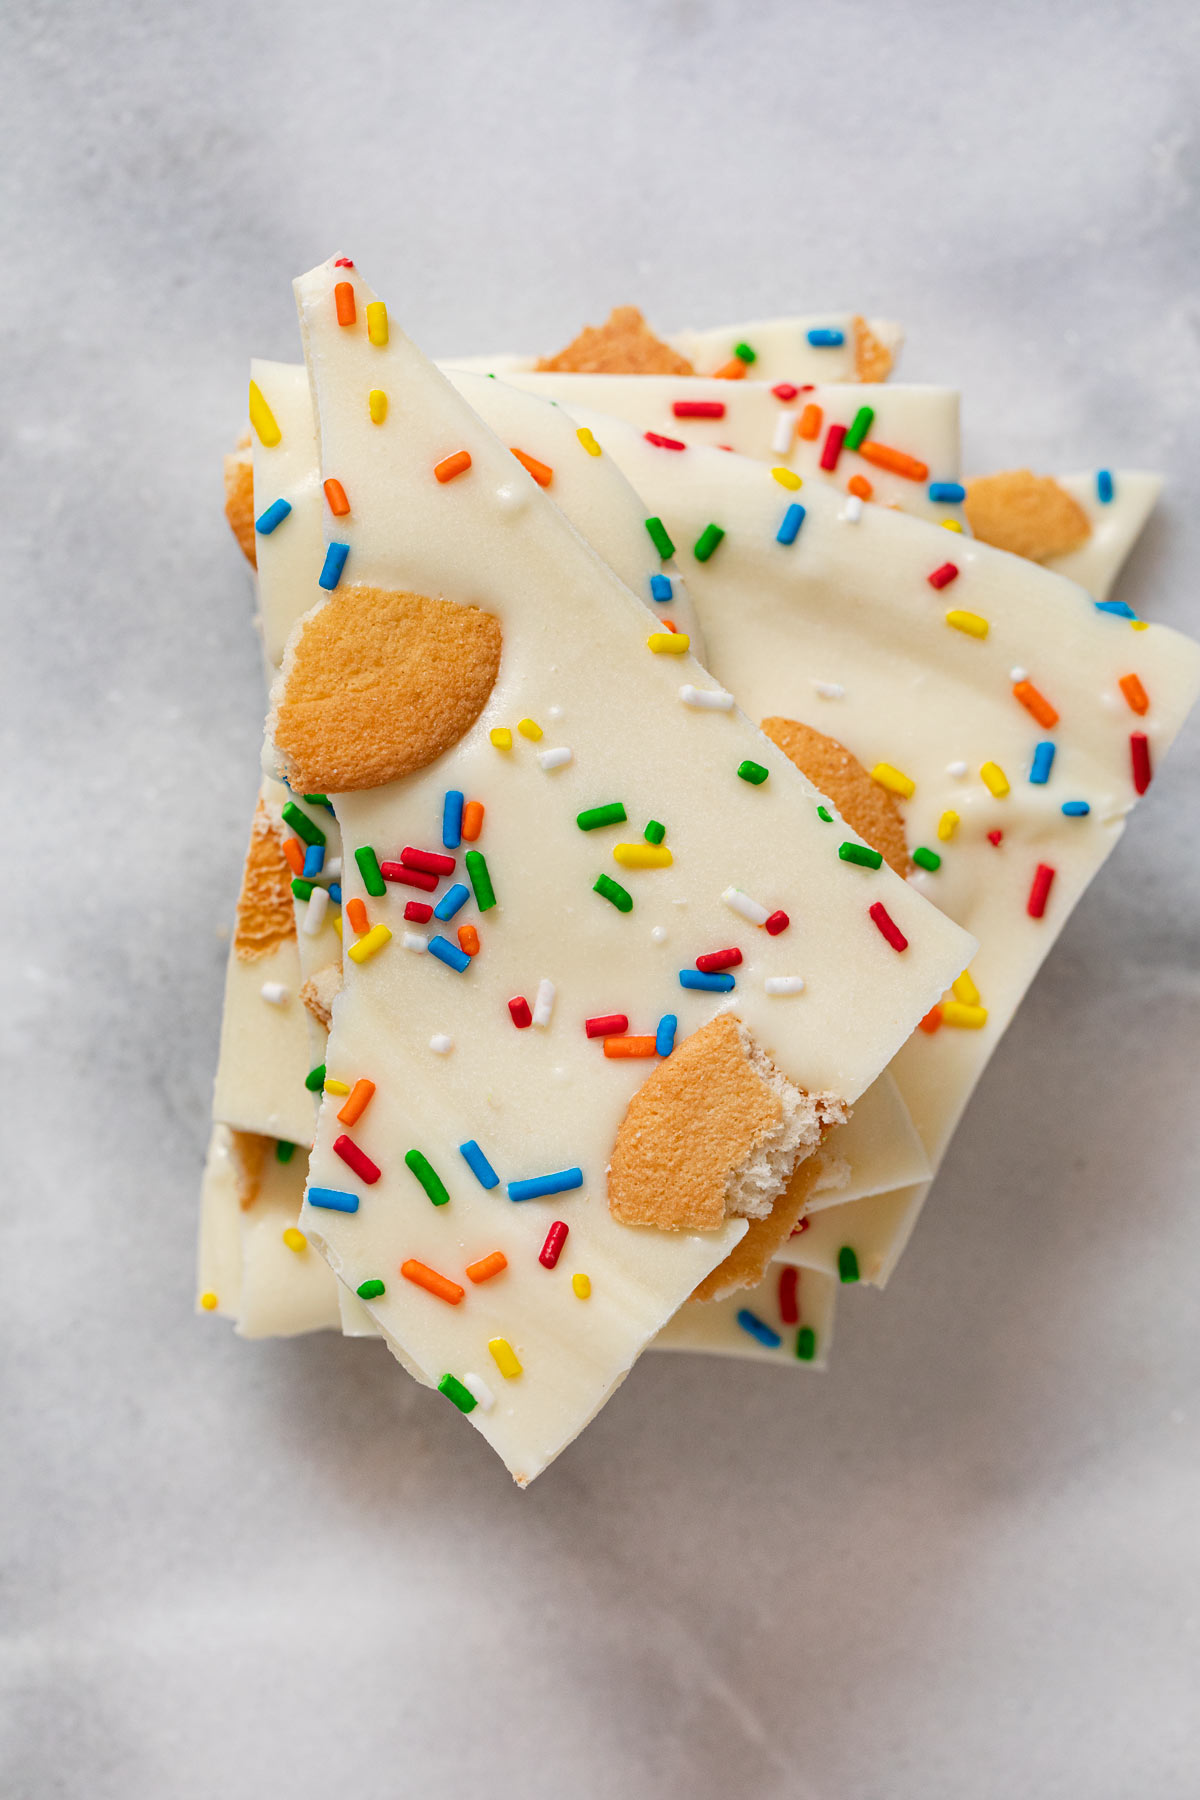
[
  {"x": 629, "y": 1046},
  {"x": 542, "y": 473},
  {"x": 487, "y": 1266},
  {"x": 472, "y": 820},
  {"x": 896, "y": 460},
  {"x": 294, "y": 854},
  {"x": 468, "y": 940},
  {"x": 343, "y": 299},
  {"x": 356, "y": 912},
  {"x": 335, "y": 493},
  {"x": 1135, "y": 693},
  {"x": 932, "y": 1021},
  {"x": 735, "y": 370},
  {"x": 432, "y": 1282},
  {"x": 357, "y": 1104},
  {"x": 859, "y": 486},
  {"x": 1035, "y": 703},
  {"x": 454, "y": 465},
  {"x": 810, "y": 422}
]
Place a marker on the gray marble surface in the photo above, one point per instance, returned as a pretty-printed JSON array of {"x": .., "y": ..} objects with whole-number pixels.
[{"x": 961, "y": 1565}]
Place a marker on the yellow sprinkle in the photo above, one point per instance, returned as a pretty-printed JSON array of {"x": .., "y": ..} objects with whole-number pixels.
[
  {"x": 894, "y": 781},
  {"x": 337, "y": 923},
  {"x": 505, "y": 1357},
  {"x": 502, "y": 737},
  {"x": 947, "y": 826},
  {"x": 1140, "y": 624},
  {"x": 336, "y": 1087},
  {"x": 377, "y": 405},
  {"x": 787, "y": 478},
  {"x": 668, "y": 643},
  {"x": 263, "y": 421},
  {"x": 295, "y": 1240},
  {"x": 642, "y": 856},
  {"x": 588, "y": 441},
  {"x": 967, "y": 1018},
  {"x": 208, "y": 1302},
  {"x": 965, "y": 990},
  {"x": 582, "y": 1285},
  {"x": 951, "y": 525},
  {"x": 971, "y": 623},
  {"x": 369, "y": 943},
  {"x": 994, "y": 779},
  {"x": 377, "y": 322},
  {"x": 529, "y": 728}
]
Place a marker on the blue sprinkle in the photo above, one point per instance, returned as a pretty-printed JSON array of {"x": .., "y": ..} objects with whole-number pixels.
[
  {"x": 758, "y": 1328},
  {"x": 1075, "y": 809},
  {"x": 335, "y": 892},
  {"x": 275, "y": 514},
  {"x": 720, "y": 983},
  {"x": 1043, "y": 762},
  {"x": 660, "y": 587},
  {"x": 478, "y": 1164},
  {"x": 335, "y": 562},
  {"x": 452, "y": 810},
  {"x": 827, "y": 337},
  {"x": 452, "y": 901},
  {"x": 449, "y": 953},
  {"x": 539, "y": 1185},
  {"x": 947, "y": 493},
  {"x": 314, "y": 859},
  {"x": 333, "y": 1199},
  {"x": 793, "y": 519},
  {"x": 664, "y": 1037},
  {"x": 1104, "y": 486},
  {"x": 1116, "y": 607}
]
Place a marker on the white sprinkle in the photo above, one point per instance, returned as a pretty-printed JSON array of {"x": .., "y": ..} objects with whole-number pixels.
[
  {"x": 415, "y": 940},
  {"x": 957, "y": 770},
  {"x": 708, "y": 699},
  {"x": 543, "y": 1004},
  {"x": 658, "y": 934},
  {"x": 554, "y": 759},
  {"x": 830, "y": 690},
  {"x": 484, "y": 1396},
  {"x": 784, "y": 984},
  {"x": 743, "y": 904},
  {"x": 314, "y": 912},
  {"x": 852, "y": 511},
  {"x": 441, "y": 1044},
  {"x": 274, "y": 993},
  {"x": 1018, "y": 674},
  {"x": 785, "y": 425},
  {"x": 512, "y": 498},
  {"x": 554, "y": 712},
  {"x": 333, "y": 869}
]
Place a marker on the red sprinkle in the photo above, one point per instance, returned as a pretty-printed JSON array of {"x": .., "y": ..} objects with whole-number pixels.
[
  {"x": 551, "y": 1250},
  {"x": 362, "y": 1165},
  {"x": 777, "y": 922},
  {"x": 1139, "y": 756},
  {"x": 994, "y": 837},
  {"x": 1039, "y": 893},
  {"x": 663, "y": 443},
  {"x": 343, "y": 262},
  {"x": 832, "y": 449},
  {"x": 418, "y": 912},
  {"x": 802, "y": 1226},
  {"x": 431, "y": 861},
  {"x": 932, "y": 1021},
  {"x": 606, "y": 1025},
  {"x": 418, "y": 878},
  {"x": 789, "y": 1305},
  {"x": 521, "y": 1015},
  {"x": 699, "y": 409},
  {"x": 944, "y": 576},
  {"x": 888, "y": 926},
  {"x": 784, "y": 390},
  {"x": 719, "y": 959}
]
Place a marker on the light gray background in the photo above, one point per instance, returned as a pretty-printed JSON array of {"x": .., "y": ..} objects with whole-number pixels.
[{"x": 961, "y": 1565}]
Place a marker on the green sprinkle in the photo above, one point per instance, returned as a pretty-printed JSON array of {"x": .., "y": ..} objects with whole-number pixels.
[
  {"x": 825, "y": 816},
  {"x": 654, "y": 832},
  {"x": 301, "y": 889},
  {"x": 660, "y": 538},
  {"x": 612, "y": 890},
  {"x": 302, "y": 825},
  {"x": 368, "y": 868},
  {"x": 428, "y": 1177},
  {"x": 594, "y": 816},
  {"x": 707, "y": 542},
  {"x": 926, "y": 859},
  {"x": 863, "y": 420},
  {"x": 284, "y": 1151},
  {"x": 320, "y": 800},
  {"x": 481, "y": 881},
  {"x": 806, "y": 1343},
  {"x": 314, "y": 1081},
  {"x": 370, "y": 1290},
  {"x": 745, "y": 354},
  {"x": 753, "y": 772},
  {"x": 847, "y": 1264},
  {"x": 454, "y": 1390},
  {"x": 862, "y": 854}
]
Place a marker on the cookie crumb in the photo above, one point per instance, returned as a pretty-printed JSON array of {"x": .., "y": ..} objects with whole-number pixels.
[
  {"x": 1028, "y": 514},
  {"x": 265, "y": 918},
  {"x": 625, "y": 345}
]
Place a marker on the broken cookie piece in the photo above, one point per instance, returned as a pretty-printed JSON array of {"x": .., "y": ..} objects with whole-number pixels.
[
  {"x": 1027, "y": 514},
  {"x": 872, "y": 810},
  {"x": 623, "y": 345}
]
